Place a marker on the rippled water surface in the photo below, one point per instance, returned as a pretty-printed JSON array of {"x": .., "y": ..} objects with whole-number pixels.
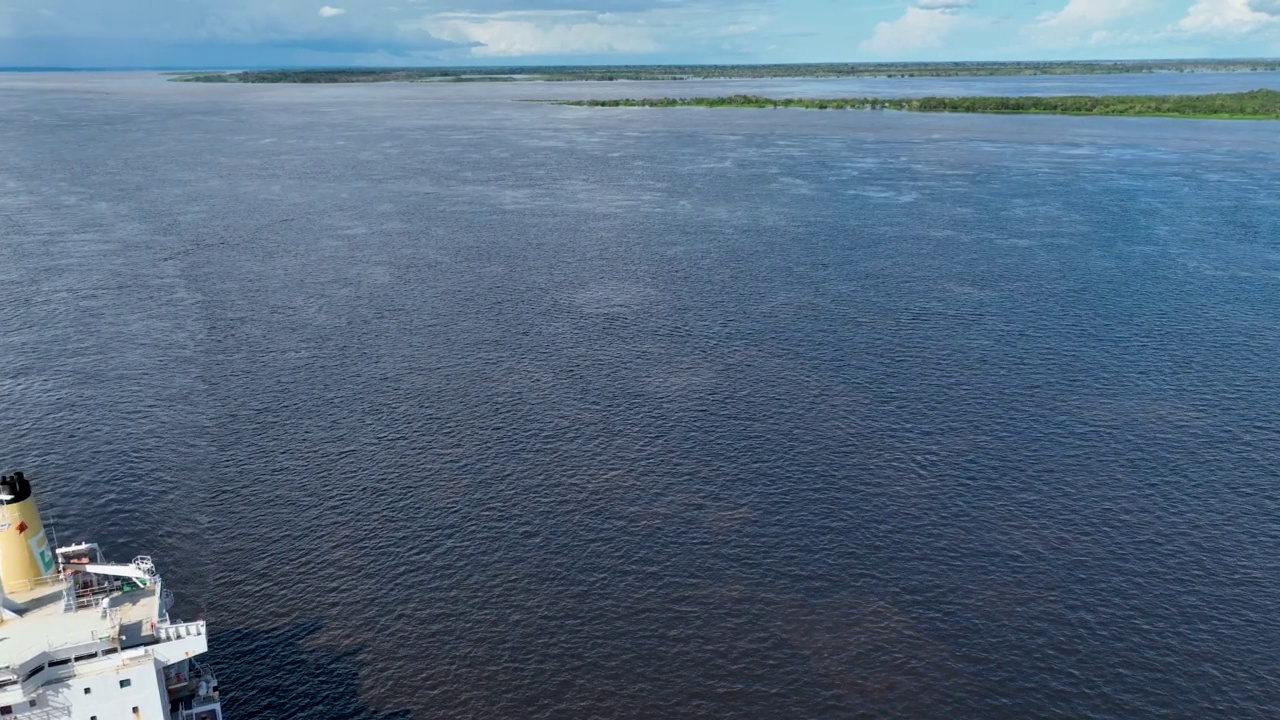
[{"x": 441, "y": 405}]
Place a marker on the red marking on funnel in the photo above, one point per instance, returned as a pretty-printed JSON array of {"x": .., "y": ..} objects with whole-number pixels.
[{"x": 22, "y": 526}]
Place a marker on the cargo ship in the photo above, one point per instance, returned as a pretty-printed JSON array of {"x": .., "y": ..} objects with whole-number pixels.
[{"x": 82, "y": 638}]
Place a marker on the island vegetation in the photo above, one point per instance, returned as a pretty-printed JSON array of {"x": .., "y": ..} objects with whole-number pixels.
[
  {"x": 1256, "y": 104},
  {"x": 721, "y": 72}
]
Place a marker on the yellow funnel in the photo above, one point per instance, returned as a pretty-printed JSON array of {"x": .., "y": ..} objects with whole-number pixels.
[{"x": 24, "y": 551}]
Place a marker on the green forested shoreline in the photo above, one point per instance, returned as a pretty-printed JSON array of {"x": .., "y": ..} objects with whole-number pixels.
[
  {"x": 709, "y": 72},
  {"x": 1256, "y": 104}
]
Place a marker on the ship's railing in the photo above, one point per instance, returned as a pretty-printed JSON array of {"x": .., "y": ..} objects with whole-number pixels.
[
  {"x": 204, "y": 678},
  {"x": 84, "y": 596},
  {"x": 209, "y": 711},
  {"x": 36, "y": 652},
  {"x": 177, "y": 631},
  {"x": 102, "y": 641},
  {"x": 49, "y": 661},
  {"x": 205, "y": 704},
  {"x": 33, "y": 583}
]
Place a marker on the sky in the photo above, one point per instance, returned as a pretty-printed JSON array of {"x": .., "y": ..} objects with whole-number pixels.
[{"x": 255, "y": 33}]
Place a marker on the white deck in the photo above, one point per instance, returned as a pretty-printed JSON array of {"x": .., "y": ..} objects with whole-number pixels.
[{"x": 45, "y": 626}]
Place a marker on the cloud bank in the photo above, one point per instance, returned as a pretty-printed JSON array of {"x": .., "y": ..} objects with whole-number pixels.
[
  {"x": 924, "y": 26},
  {"x": 1230, "y": 17},
  {"x": 239, "y": 33},
  {"x": 255, "y": 32}
]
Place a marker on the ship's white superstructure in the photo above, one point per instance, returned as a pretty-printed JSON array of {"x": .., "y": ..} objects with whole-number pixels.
[{"x": 84, "y": 639}]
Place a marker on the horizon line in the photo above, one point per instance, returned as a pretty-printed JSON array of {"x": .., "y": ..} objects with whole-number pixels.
[{"x": 870, "y": 63}]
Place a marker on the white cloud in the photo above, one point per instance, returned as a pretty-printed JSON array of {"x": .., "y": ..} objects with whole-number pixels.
[
  {"x": 1229, "y": 17},
  {"x": 917, "y": 29},
  {"x": 1094, "y": 23},
  {"x": 1126, "y": 23},
  {"x": 511, "y": 34},
  {"x": 327, "y": 11},
  {"x": 943, "y": 4},
  {"x": 1091, "y": 14}
]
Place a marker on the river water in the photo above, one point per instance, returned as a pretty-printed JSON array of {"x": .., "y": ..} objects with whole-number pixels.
[{"x": 436, "y": 404}]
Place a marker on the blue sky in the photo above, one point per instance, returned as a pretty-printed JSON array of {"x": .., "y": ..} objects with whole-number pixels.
[{"x": 150, "y": 33}]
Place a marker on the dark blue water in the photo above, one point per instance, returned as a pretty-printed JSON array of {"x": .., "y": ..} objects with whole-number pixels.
[{"x": 439, "y": 405}]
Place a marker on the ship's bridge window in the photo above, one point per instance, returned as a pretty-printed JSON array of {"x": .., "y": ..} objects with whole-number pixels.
[
  {"x": 59, "y": 661},
  {"x": 33, "y": 672},
  {"x": 126, "y": 683}
]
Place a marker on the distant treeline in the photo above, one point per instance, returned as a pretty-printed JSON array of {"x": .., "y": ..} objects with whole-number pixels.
[
  {"x": 1257, "y": 104},
  {"x": 709, "y": 72}
]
